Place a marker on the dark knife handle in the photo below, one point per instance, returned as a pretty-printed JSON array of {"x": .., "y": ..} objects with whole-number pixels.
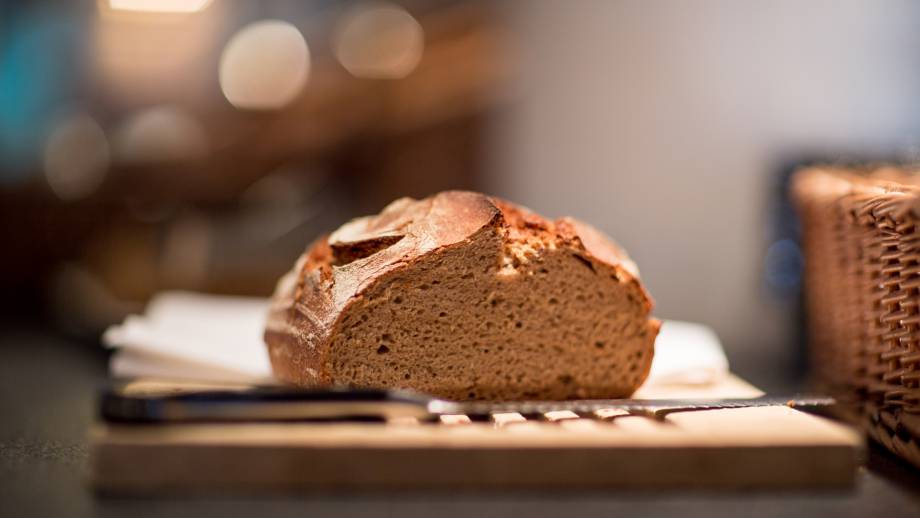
[{"x": 119, "y": 405}]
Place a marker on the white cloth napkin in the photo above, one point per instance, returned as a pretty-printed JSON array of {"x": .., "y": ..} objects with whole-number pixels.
[{"x": 192, "y": 336}]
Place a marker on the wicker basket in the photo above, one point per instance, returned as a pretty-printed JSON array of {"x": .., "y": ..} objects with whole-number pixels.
[{"x": 861, "y": 240}]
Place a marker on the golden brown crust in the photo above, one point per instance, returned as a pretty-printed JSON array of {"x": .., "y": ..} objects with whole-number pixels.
[
  {"x": 571, "y": 232},
  {"x": 337, "y": 269}
]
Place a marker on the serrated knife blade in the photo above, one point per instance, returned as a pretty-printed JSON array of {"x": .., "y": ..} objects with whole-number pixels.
[{"x": 655, "y": 407}]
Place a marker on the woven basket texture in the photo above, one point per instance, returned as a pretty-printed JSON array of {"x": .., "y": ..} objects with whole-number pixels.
[{"x": 861, "y": 242}]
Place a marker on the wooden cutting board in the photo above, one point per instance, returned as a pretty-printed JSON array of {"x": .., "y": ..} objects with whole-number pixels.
[{"x": 773, "y": 447}]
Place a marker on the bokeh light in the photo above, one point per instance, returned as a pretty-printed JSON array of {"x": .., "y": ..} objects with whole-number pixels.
[
  {"x": 159, "y": 6},
  {"x": 379, "y": 41},
  {"x": 783, "y": 265},
  {"x": 186, "y": 250},
  {"x": 264, "y": 66},
  {"x": 76, "y": 157},
  {"x": 143, "y": 58},
  {"x": 161, "y": 134}
]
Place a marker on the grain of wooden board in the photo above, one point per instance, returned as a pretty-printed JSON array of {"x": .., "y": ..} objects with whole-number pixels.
[{"x": 772, "y": 447}]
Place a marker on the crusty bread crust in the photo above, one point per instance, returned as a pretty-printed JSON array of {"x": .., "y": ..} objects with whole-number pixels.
[{"x": 327, "y": 290}]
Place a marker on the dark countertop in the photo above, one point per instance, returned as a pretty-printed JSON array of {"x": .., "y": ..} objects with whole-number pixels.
[{"x": 46, "y": 395}]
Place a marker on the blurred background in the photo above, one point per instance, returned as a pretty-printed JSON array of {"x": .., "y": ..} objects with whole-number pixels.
[{"x": 202, "y": 144}]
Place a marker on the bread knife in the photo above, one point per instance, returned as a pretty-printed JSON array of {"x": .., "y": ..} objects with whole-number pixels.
[{"x": 119, "y": 404}]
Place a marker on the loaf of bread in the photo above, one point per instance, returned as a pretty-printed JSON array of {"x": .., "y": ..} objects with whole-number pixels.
[{"x": 464, "y": 296}]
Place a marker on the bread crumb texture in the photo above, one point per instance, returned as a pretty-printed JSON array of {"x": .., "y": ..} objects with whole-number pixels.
[{"x": 464, "y": 296}]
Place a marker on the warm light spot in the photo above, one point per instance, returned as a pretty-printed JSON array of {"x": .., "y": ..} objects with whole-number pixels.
[
  {"x": 159, "y": 6},
  {"x": 186, "y": 252},
  {"x": 142, "y": 58},
  {"x": 76, "y": 157},
  {"x": 379, "y": 41},
  {"x": 160, "y": 134},
  {"x": 264, "y": 66}
]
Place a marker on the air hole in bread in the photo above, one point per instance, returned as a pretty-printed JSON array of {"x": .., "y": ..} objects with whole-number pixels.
[{"x": 585, "y": 262}]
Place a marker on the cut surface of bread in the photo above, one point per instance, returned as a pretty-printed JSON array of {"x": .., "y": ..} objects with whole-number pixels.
[{"x": 464, "y": 296}]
